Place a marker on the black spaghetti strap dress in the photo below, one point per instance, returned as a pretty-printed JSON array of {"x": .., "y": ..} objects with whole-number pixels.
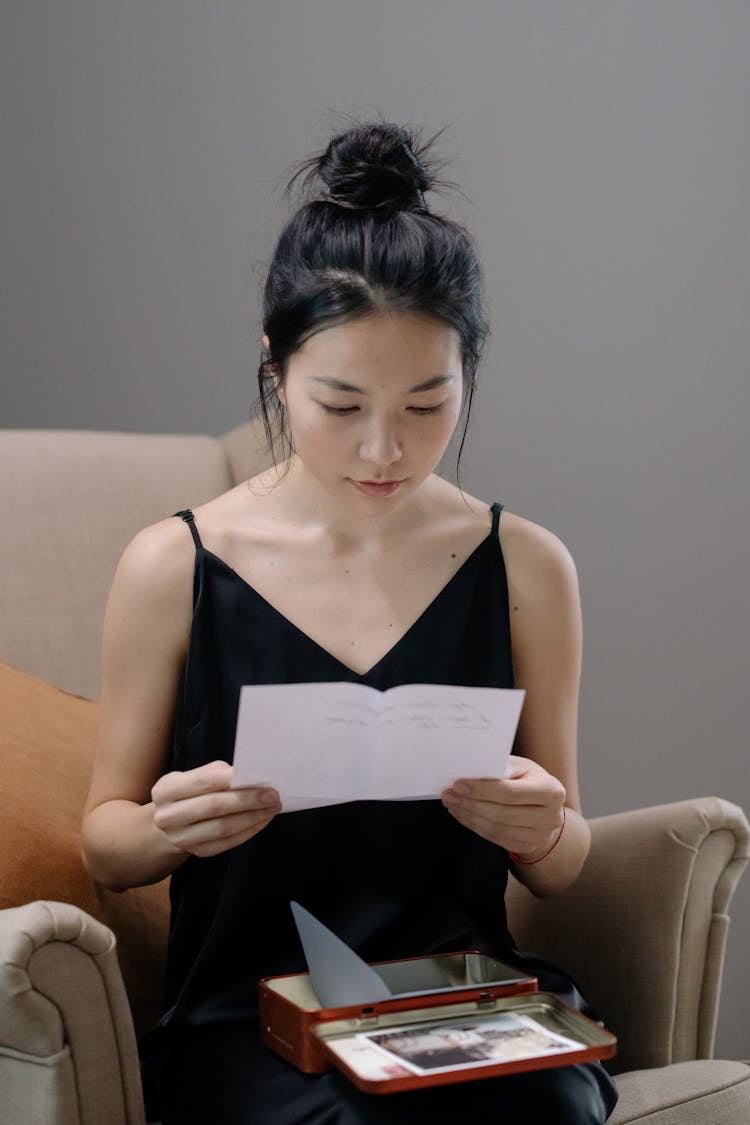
[{"x": 392, "y": 878}]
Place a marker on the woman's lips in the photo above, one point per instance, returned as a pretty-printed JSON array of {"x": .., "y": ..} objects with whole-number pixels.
[{"x": 377, "y": 488}]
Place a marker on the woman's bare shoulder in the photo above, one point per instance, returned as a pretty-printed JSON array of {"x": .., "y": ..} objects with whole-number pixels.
[
  {"x": 160, "y": 548},
  {"x": 156, "y": 568},
  {"x": 163, "y": 553},
  {"x": 532, "y": 539},
  {"x": 537, "y": 560},
  {"x": 527, "y": 544},
  {"x": 150, "y": 604}
]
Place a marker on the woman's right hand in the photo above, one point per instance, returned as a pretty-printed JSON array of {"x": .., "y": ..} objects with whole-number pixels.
[{"x": 200, "y": 814}]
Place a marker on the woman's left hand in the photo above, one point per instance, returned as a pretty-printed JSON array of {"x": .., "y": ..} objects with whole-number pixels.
[{"x": 522, "y": 812}]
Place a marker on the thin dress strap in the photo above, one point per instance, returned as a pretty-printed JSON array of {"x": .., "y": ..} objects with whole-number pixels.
[
  {"x": 189, "y": 519},
  {"x": 496, "y": 509}
]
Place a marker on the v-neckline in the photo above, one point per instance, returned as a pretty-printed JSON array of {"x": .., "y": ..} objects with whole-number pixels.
[{"x": 321, "y": 648}]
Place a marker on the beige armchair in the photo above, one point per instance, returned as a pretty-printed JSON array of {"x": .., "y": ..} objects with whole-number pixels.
[{"x": 642, "y": 931}]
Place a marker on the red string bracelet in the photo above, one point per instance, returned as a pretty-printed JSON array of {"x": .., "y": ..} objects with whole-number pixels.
[{"x": 530, "y": 862}]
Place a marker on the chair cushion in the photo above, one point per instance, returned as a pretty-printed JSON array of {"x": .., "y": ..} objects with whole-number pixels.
[
  {"x": 47, "y": 743},
  {"x": 712, "y": 1091}
]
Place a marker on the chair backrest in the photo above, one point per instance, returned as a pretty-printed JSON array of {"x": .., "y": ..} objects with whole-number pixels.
[
  {"x": 69, "y": 504},
  {"x": 70, "y": 501}
]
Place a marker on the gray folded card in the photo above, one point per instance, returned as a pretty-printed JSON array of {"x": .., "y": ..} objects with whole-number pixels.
[{"x": 340, "y": 977}]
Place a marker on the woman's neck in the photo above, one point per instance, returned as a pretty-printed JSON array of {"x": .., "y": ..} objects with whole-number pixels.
[{"x": 300, "y": 499}]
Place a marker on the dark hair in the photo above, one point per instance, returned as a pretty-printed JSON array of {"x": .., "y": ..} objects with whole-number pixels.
[{"x": 366, "y": 244}]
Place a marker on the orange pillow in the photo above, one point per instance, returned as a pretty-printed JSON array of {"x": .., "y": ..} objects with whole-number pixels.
[{"x": 47, "y": 744}]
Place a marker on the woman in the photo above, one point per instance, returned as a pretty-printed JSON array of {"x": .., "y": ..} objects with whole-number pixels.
[{"x": 349, "y": 559}]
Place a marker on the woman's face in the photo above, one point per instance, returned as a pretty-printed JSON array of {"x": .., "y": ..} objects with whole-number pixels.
[{"x": 372, "y": 404}]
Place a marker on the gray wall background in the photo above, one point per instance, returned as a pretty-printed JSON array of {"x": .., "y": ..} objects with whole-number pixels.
[{"x": 604, "y": 151}]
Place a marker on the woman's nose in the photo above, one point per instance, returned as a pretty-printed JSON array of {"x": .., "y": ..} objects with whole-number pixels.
[{"x": 380, "y": 445}]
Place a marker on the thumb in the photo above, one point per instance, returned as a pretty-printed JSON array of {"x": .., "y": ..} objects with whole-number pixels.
[{"x": 518, "y": 767}]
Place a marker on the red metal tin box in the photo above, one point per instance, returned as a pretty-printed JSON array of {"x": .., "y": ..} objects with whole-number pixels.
[
  {"x": 289, "y": 1008},
  {"x": 488, "y": 1019}
]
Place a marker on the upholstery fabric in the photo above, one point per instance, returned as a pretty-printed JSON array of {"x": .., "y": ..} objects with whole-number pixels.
[
  {"x": 655, "y": 892},
  {"x": 38, "y": 1091},
  {"x": 246, "y": 451},
  {"x": 69, "y": 504},
  {"x": 713, "y": 1092},
  {"x": 47, "y": 742},
  {"x": 64, "y": 1020}
]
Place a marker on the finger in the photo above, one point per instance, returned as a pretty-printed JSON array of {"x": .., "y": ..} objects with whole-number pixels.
[
  {"x": 482, "y": 789},
  {"x": 178, "y": 784},
  {"x": 518, "y": 766},
  {"x": 498, "y": 792},
  {"x": 484, "y": 826},
  {"x": 517, "y": 838},
  {"x": 539, "y": 788},
  {"x": 213, "y": 806},
  {"x": 216, "y": 847},
  {"x": 512, "y": 816},
  {"x": 536, "y": 818},
  {"x": 211, "y": 833}
]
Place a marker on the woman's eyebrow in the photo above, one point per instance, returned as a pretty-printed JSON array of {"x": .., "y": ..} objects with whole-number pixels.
[
  {"x": 337, "y": 384},
  {"x": 430, "y": 384},
  {"x": 340, "y": 385}
]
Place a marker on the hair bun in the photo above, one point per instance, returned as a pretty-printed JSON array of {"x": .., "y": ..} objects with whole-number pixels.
[{"x": 374, "y": 167}]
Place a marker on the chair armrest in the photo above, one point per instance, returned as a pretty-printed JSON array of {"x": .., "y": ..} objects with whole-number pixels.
[
  {"x": 643, "y": 929},
  {"x": 67, "y": 1046}
]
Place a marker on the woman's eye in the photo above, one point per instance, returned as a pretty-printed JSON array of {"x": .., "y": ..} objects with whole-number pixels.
[{"x": 339, "y": 409}]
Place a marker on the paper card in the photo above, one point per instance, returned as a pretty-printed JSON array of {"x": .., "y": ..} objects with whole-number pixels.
[
  {"x": 338, "y": 975},
  {"x": 433, "y": 1048},
  {"x": 325, "y": 743}
]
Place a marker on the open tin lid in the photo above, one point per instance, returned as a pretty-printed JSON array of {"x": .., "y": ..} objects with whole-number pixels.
[
  {"x": 340, "y": 978},
  {"x": 469, "y": 974},
  {"x": 392, "y": 1051}
]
